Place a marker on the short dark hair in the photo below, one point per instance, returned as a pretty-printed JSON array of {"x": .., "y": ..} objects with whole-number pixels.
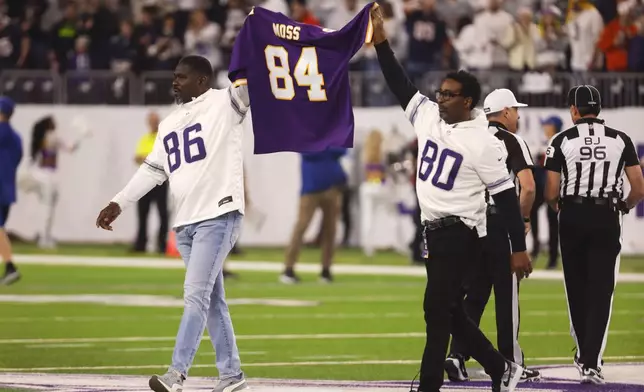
[
  {"x": 198, "y": 64},
  {"x": 588, "y": 110},
  {"x": 470, "y": 86}
]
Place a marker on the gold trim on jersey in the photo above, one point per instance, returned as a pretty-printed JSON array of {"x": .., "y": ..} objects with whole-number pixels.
[
  {"x": 369, "y": 35},
  {"x": 240, "y": 82}
]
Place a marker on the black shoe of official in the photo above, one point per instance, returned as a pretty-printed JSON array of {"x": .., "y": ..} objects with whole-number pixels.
[
  {"x": 530, "y": 375},
  {"x": 455, "y": 368}
]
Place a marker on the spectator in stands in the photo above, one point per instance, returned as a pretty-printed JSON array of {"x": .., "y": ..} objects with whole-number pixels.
[
  {"x": 493, "y": 23},
  {"x": 10, "y": 43},
  {"x": 429, "y": 47},
  {"x": 473, "y": 46},
  {"x": 614, "y": 40},
  {"x": 520, "y": 41},
  {"x": 145, "y": 33},
  {"x": 552, "y": 41},
  {"x": 202, "y": 38},
  {"x": 584, "y": 26},
  {"x": 63, "y": 37},
  {"x": 339, "y": 16},
  {"x": 101, "y": 23},
  {"x": 166, "y": 50},
  {"x": 300, "y": 13},
  {"x": 452, "y": 11},
  {"x": 276, "y": 6},
  {"x": 236, "y": 11},
  {"x": 79, "y": 59},
  {"x": 636, "y": 45},
  {"x": 123, "y": 50}
]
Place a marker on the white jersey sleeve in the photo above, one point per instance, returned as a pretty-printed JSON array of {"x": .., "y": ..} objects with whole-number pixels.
[
  {"x": 422, "y": 113},
  {"x": 150, "y": 174},
  {"x": 492, "y": 169},
  {"x": 239, "y": 99}
]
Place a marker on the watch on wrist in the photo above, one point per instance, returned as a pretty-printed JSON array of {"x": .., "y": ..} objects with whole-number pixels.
[{"x": 526, "y": 220}]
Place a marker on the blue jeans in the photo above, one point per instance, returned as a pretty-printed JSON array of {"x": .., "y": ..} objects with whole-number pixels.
[{"x": 204, "y": 247}]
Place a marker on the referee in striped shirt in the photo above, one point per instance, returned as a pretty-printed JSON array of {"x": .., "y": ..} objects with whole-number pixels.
[{"x": 585, "y": 167}]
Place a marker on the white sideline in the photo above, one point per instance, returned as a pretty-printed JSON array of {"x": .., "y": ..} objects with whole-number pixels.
[
  {"x": 262, "y": 266},
  {"x": 276, "y": 364}
]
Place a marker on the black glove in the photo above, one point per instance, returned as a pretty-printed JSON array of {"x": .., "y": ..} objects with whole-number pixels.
[{"x": 621, "y": 206}]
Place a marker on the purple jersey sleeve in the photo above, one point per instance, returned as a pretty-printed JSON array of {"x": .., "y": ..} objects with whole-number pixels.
[{"x": 298, "y": 80}]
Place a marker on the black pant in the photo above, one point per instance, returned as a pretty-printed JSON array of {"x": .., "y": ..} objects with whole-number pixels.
[
  {"x": 590, "y": 246},
  {"x": 159, "y": 196},
  {"x": 453, "y": 252},
  {"x": 494, "y": 271},
  {"x": 553, "y": 228},
  {"x": 417, "y": 241}
]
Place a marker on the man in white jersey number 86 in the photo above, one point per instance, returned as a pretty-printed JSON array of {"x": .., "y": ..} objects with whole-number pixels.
[
  {"x": 458, "y": 159},
  {"x": 199, "y": 152}
]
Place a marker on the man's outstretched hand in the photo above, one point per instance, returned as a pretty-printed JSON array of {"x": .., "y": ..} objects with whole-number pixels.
[
  {"x": 377, "y": 22},
  {"x": 107, "y": 216},
  {"x": 521, "y": 264}
]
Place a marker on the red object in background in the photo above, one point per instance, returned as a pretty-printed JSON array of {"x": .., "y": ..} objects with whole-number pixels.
[
  {"x": 171, "y": 246},
  {"x": 613, "y": 42},
  {"x": 309, "y": 18}
]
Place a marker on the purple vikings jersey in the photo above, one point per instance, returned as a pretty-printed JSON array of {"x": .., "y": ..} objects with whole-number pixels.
[{"x": 298, "y": 80}]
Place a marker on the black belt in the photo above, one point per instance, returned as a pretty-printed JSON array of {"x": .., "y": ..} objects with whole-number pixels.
[
  {"x": 442, "y": 223},
  {"x": 599, "y": 201}
]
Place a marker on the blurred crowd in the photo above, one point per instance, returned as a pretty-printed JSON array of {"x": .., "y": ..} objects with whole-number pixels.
[{"x": 479, "y": 35}]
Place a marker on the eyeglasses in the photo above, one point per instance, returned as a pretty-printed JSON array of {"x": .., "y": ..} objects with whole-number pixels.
[{"x": 446, "y": 94}]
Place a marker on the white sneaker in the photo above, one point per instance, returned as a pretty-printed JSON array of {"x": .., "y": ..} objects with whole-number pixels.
[
  {"x": 510, "y": 378},
  {"x": 592, "y": 376},
  {"x": 172, "y": 381},
  {"x": 232, "y": 384}
]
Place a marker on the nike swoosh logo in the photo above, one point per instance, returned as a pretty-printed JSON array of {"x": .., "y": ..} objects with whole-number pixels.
[{"x": 500, "y": 159}]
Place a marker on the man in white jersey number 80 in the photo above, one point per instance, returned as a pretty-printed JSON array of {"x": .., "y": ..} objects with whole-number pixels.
[{"x": 458, "y": 160}]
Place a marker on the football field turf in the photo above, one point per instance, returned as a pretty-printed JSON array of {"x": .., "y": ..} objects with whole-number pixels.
[{"x": 122, "y": 320}]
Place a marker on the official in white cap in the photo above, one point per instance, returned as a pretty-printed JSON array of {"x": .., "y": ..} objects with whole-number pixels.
[{"x": 501, "y": 108}]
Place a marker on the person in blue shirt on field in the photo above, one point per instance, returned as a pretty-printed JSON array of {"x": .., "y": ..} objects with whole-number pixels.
[
  {"x": 322, "y": 180},
  {"x": 10, "y": 157}
]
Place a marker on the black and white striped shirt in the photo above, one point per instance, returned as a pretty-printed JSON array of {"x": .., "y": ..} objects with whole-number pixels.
[
  {"x": 591, "y": 158},
  {"x": 519, "y": 156}
]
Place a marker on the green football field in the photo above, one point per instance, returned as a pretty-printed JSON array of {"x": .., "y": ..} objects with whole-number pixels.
[{"x": 358, "y": 328}]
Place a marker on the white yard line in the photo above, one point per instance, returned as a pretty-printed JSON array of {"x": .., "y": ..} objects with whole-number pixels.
[
  {"x": 402, "y": 335},
  {"x": 283, "y": 316},
  {"x": 266, "y": 266},
  {"x": 276, "y": 364}
]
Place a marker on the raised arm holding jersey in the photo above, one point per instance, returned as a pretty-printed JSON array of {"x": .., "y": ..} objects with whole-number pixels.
[{"x": 458, "y": 160}]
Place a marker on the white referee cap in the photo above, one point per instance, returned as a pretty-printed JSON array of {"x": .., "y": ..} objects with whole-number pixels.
[{"x": 500, "y": 99}]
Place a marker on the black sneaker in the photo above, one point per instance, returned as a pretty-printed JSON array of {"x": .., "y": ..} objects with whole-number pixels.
[
  {"x": 530, "y": 375},
  {"x": 326, "y": 277},
  {"x": 289, "y": 277},
  {"x": 11, "y": 275},
  {"x": 455, "y": 368}
]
